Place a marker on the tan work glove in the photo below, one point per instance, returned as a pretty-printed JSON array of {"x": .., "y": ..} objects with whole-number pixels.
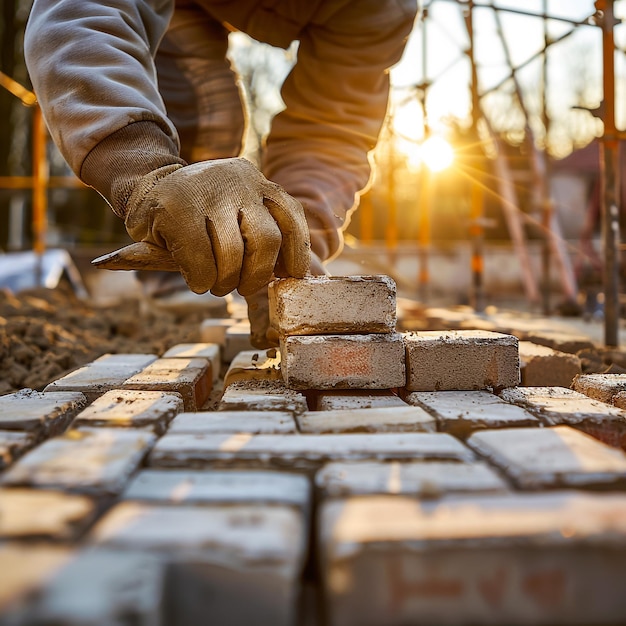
[{"x": 224, "y": 223}]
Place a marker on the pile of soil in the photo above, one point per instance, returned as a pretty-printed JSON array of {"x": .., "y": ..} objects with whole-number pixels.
[{"x": 46, "y": 333}]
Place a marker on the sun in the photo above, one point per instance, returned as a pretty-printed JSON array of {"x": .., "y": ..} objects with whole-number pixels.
[{"x": 435, "y": 153}]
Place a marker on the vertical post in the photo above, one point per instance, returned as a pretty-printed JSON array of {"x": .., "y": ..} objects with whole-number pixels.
[
  {"x": 40, "y": 182},
  {"x": 609, "y": 166},
  {"x": 425, "y": 198}
]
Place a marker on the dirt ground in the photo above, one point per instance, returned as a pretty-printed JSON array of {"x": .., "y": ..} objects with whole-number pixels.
[{"x": 46, "y": 333}]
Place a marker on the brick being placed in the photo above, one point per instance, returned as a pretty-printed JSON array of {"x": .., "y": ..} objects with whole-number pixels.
[
  {"x": 238, "y": 564},
  {"x": 556, "y": 406},
  {"x": 191, "y": 378},
  {"x": 300, "y": 453},
  {"x": 36, "y": 514},
  {"x": 460, "y": 413},
  {"x": 191, "y": 487},
  {"x": 526, "y": 559},
  {"x": 107, "y": 372},
  {"x": 255, "y": 422},
  {"x": 254, "y": 365},
  {"x": 43, "y": 414},
  {"x": 377, "y": 420},
  {"x": 132, "y": 409},
  {"x": 425, "y": 479},
  {"x": 552, "y": 458},
  {"x": 357, "y": 399},
  {"x": 343, "y": 361},
  {"x": 96, "y": 586},
  {"x": 90, "y": 461},
  {"x": 541, "y": 366},
  {"x": 603, "y": 387},
  {"x": 258, "y": 395},
  {"x": 461, "y": 360},
  {"x": 332, "y": 305},
  {"x": 13, "y": 445},
  {"x": 209, "y": 351}
]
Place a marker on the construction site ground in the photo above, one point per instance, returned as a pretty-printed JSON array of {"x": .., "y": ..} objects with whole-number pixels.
[{"x": 227, "y": 498}]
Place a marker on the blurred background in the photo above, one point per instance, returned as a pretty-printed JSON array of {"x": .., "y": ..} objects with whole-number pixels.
[{"x": 489, "y": 180}]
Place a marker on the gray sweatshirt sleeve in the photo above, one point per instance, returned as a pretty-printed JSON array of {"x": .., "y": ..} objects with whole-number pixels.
[{"x": 92, "y": 68}]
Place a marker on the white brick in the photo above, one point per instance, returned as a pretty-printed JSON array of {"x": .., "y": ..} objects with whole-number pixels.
[
  {"x": 214, "y": 331},
  {"x": 254, "y": 365},
  {"x": 256, "y": 422},
  {"x": 601, "y": 387},
  {"x": 262, "y": 396},
  {"x": 237, "y": 340},
  {"x": 356, "y": 399},
  {"x": 205, "y": 350}
]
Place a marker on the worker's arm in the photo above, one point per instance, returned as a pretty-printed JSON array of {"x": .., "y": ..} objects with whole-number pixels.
[
  {"x": 335, "y": 103},
  {"x": 93, "y": 71}
]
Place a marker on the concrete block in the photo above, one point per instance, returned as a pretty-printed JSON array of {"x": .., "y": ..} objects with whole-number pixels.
[
  {"x": 404, "y": 419},
  {"x": 254, "y": 365},
  {"x": 38, "y": 514},
  {"x": 209, "y": 351},
  {"x": 552, "y": 458},
  {"x": 13, "y": 445},
  {"x": 526, "y": 559},
  {"x": 603, "y": 387},
  {"x": 332, "y": 305},
  {"x": 24, "y": 569},
  {"x": 460, "y": 413},
  {"x": 544, "y": 367},
  {"x": 214, "y": 330},
  {"x": 134, "y": 409},
  {"x": 461, "y": 360},
  {"x": 237, "y": 340},
  {"x": 425, "y": 479},
  {"x": 191, "y": 378},
  {"x": 256, "y": 422},
  {"x": 99, "y": 586},
  {"x": 343, "y": 361},
  {"x": 237, "y": 564},
  {"x": 107, "y": 372},
  {"x": 301, "y": 453},
  {"x": 556, "y": 406},
  {"x": 357, "y": 399},
  {"x": 91, "y": 461},
  {"x": 43, "y": 414},
  {"x": 262, "y": 396},
  {"x": 188, "y": 487}
]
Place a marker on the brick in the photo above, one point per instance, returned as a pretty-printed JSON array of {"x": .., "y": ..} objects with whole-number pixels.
[
  {"x": 619, "y": 400},
  {"x": 563, "y": 342},
  {"x": 254, "y": 365},
  {"x": 556, "y": 406},
  {"x": 38, "y": 514},
  {"x": 188, "y": 487},
  {"x": 43, "y": 414},
  {"x": 301, "y": 453},
  {"x": 104, "y": 374},
  {"x": 332, "y": 305},
  {"x": 544, "y": 367},
  {"x": 461, "y": 360},
  {"x": 549, "y": 558},
  {"x": 191, "y": 378},
  {"x": 357, "y": 399},
  {"x": 134, "y": 409},
  {"x": 426, "y": 479},
  {"x": 214, "y": 330},
  {"x": 239, "y": 564},
  {"x": 256, "y": 422},
  {"x": 237, "y": 340},
  {"x": 205, "y": 350},
  {"x": 24, "y": 569},
  {"x": 462, "y": 412},
  {"x": 13, "y": 445},
  {"x": 379, "y": 420},
  {"x": 601, "y": 387},
  {"x": 262, "y": 396},
  {"x": 343, "y": 361},
  {"x": 552, "y": 458},
  {"x": 91, "y": 461},
  {"x": 99, "y": 586}
]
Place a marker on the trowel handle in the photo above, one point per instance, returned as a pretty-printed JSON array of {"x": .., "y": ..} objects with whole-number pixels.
[{"x": 138, "y": 256}]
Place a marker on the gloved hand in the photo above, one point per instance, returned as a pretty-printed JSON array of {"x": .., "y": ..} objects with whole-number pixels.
[
  {"x": 261, "y": 334},
  {"x": 224, "y": 223}
]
